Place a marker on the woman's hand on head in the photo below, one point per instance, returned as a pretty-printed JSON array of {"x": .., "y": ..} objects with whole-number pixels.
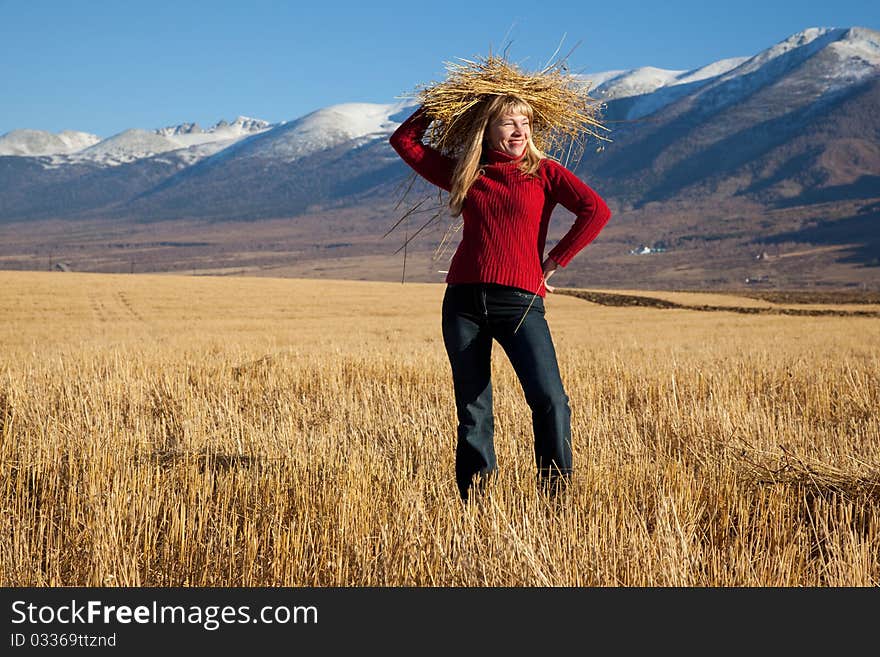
[{"x": 549, "y": 266}]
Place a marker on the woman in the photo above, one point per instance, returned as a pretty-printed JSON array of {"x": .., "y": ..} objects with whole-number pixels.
[{"x": 505, "y": 189}]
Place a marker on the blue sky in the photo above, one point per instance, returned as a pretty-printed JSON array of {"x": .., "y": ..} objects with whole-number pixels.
[{"x": 104, "y": 66}]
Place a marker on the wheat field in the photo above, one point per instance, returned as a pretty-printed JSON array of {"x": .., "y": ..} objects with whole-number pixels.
[{"x": 160, "y": 430}]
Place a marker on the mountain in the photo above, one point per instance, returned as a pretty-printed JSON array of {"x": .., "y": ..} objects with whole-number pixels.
[
  {"x": 188, "y": 142},
  {"x": 782, "y": 146},
  {"x": 653, "y": 88},
  {"x": 39, "y": 142},
  {"x": 351, "y": 123},
  {"x": 187, "y": 134},
  {"x": 245, "y": 169},
  {"x": 742, "y": 132},
  {"x": 197, "y": 143}
]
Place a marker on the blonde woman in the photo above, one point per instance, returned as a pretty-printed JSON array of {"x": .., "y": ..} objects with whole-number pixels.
[{"x": 505, "y": 190}]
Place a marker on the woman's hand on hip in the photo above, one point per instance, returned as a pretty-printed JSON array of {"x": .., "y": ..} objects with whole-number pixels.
[{"x": 550, "y": 266}]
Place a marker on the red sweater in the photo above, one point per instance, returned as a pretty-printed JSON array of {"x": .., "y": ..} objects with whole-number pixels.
[{"x": 506, "y": 212}]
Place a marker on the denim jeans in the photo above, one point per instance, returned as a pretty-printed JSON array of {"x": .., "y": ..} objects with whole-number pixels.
[{"x": 475, "y": 314}]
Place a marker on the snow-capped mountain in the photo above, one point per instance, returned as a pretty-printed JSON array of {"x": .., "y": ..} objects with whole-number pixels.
[
  {"x": 127, "y": 146},
  {"x": 190, "y": 134},
  {"x": 184, "y": 144},
  {"x": 856, "y": 50},
  {"x": 335, "y": 151},
  {"x": 654, "y": 87},
  {"x": 40, "y": 142},
  {"x": 352, "y": 123},
  {"x": 187, "y": 141},
  {"x": 611, "y": 85},
  {"x": 738, "y": 125},
  {"x": 787, "y": 123}
]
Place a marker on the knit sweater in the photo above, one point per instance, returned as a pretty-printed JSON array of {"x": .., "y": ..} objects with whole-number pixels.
[{"x": 506, "y": 212}]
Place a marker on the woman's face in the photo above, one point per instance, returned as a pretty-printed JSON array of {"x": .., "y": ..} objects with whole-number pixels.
[{"x": 509, "y": 133}]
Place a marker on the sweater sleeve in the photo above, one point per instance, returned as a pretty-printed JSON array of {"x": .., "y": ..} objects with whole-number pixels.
[
  {"x": 591, "y": 212},
  {"x": 428, "y": 162}
]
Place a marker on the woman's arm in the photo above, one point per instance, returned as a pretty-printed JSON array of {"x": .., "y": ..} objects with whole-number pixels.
[
  {"x": 592, "y": 212},
  {"x": 428, "y": 162}
]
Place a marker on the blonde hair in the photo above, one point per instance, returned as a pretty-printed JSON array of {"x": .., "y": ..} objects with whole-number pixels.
[{"x": 467, "y": 167}]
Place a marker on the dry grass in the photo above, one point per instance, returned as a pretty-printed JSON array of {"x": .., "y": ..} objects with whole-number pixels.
[{"x": 161, "y": 430}]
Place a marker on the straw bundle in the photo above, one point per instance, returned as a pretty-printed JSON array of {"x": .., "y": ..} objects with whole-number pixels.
[
  {"x": 565, "y": 115},
  {"x": 815, "y": 477}
]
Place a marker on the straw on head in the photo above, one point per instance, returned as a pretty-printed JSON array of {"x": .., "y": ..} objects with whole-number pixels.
[{"x": 564, "y": 112}]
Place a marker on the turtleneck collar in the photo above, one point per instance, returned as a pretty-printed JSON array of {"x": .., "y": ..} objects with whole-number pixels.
[{"x": 499, "y": 157}]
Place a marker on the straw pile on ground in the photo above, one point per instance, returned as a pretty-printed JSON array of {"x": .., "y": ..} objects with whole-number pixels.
[{"x": 565, "y": 115}]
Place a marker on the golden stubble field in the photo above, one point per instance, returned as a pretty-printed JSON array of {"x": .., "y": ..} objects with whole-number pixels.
[{"x": 204, "y": 431}]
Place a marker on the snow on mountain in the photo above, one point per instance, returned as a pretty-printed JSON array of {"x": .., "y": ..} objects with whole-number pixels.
[
  {"x": 181, "y": 129},
  {"x": 184, "y": 144},
  {"x": 40, "y": 142},
  {"x": 610, "y": 85},
  {"x": 128, "y": 146},
  {"x": 242, "y": 125},
  {"x": 187, "y": 143},
  {"x": 190, "y": 134},
  {"x": 635, "y": 82},
  {"x": 323, "y": 129},
  {"x": 807, "y": 68},
  {"x": 655, "y": 87},
  {"x": 596, "y": 80},
  {"x": 849, "y": 55},
  {"x": 711, "y": 70},
  {"x": 183, "y": 157},
  {"x": 858, "y": 52},
  {"x": 809, "y": 42}
]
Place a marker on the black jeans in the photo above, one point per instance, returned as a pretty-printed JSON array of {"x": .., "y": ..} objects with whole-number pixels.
[{"x": 474, "y": 315}]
